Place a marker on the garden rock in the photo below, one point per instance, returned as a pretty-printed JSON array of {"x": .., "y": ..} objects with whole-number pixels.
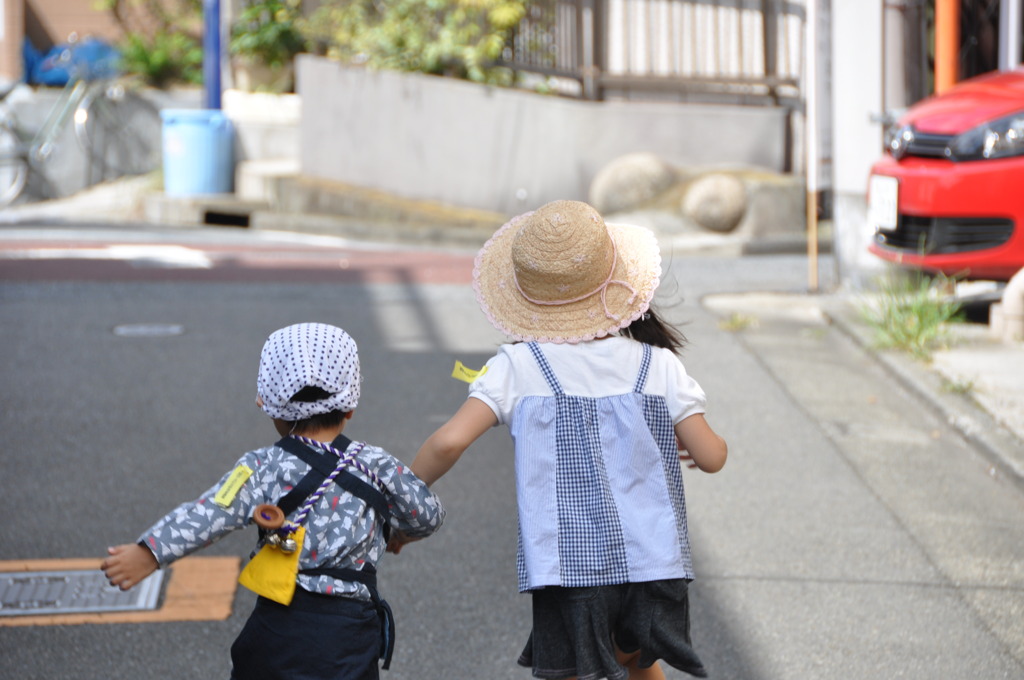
[
  {"x": 715, "y": 201},
  {"x": 630, "y": 181}
]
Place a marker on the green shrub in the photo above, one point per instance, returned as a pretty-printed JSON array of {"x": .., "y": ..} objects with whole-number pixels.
[
  {"x": 162, "y": 59},
  {"x": 163, "y": 39},
  {"x": 459, "y": 38},
  {"x": 268, "y": 31}
]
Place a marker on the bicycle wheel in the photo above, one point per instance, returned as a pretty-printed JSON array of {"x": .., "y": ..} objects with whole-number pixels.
[
  {"x": 13, "y": 166},
  {"x": 119, "y": 130}
]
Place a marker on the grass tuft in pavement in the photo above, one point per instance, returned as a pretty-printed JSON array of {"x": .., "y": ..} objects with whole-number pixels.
[{"x": 912, "y": 312}]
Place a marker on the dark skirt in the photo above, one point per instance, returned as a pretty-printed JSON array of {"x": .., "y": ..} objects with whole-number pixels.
[
  {"x": 317, "y": 637},
  {"x": 576, "y": 630}
]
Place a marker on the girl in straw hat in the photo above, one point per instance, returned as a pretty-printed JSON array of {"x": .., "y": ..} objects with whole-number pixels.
[{"x": 599, "y": 408}]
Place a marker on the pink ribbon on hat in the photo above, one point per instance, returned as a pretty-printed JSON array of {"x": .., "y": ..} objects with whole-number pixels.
[{"x": 602, "y": 289}]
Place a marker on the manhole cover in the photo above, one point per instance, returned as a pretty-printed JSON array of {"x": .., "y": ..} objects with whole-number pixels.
[
  {"x": 72, "y": 592},
  {"x": 148, "y": 330}
]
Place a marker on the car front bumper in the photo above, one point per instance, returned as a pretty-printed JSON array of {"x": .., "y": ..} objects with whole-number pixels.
[{"x": 961, "y": 219}]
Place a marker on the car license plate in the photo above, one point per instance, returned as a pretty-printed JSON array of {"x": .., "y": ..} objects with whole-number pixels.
[{"x": 882, "y": 195}]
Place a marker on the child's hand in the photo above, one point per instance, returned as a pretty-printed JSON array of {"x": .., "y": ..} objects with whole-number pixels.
[
  {"x": 700, "y": 446},
  {"x": 398, "y": 541},
  {"x": 687, "y": 459},
  {"x": 684, "y": 455},
  {"x": 128, "y": 564}
]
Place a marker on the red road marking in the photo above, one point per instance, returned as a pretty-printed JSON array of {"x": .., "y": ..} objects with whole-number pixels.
[{"x": 263, "y": 262}]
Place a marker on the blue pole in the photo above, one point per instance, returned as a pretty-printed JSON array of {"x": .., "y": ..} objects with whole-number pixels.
[{"x": 211, "y": 53}]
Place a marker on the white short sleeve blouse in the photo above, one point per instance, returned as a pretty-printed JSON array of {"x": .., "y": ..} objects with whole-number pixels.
[{"x": 598, "y": 368}]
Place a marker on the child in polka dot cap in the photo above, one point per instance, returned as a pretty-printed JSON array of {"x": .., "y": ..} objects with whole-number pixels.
[{"x": 341, "y": 498}]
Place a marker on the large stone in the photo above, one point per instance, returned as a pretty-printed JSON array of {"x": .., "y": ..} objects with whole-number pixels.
[
  {"x": 716, "y": 201},
  {"x": 630, "y": 181}
]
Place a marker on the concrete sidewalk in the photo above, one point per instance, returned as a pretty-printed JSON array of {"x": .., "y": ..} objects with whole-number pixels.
[
  {"x": 859, "y": 534},
  {"x": 976, "y": 384}
]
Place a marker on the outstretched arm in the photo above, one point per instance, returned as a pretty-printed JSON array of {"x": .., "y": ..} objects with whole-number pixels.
[
  {"x": 702, "y": 445},
  {"x": 444, "y": 448},
  {"x": 128, "y": 564}
]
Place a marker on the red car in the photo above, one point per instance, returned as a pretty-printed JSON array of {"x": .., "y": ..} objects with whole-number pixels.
[{"x": 949, "y": 194}]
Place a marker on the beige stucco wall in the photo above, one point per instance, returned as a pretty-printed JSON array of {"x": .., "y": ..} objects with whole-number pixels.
[
  {"x": 59, "y": 18},
  {"x": 12, "y": 19},
  {"x": 48, "y": 22}
]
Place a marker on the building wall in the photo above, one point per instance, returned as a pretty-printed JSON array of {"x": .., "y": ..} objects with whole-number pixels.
[
  {"x": 57, "y": 19},
  {"x": 46, "y": 23},
  {"x": 857, "y": 140},
  {"x": 11, "y": 19}
]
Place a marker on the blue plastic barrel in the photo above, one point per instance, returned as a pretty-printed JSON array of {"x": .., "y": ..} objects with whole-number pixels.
[{"x": 198, "y": 146}]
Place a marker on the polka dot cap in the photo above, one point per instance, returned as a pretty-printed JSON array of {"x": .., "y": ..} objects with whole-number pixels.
[{"x": 308, "y": 355}]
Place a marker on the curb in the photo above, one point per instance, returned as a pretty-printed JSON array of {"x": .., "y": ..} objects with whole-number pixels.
[{"x": 1000, "y": 447}]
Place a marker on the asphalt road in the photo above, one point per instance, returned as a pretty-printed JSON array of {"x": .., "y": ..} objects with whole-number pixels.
[{"x": 851, "y": 535}]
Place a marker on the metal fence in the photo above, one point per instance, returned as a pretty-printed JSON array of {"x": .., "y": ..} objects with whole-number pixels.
[{"x": 741, "y": 51}]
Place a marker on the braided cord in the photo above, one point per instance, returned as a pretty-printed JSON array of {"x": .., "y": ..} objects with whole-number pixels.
[{"x": 343, "y": 460}]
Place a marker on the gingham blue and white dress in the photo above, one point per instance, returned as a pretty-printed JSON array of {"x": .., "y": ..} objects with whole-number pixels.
[{"x": 599, "y": 483}]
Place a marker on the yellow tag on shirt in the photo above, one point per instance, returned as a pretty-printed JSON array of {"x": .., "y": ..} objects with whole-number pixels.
[
  {"x": 227, "y": 492},
  {"x": 271, "y": 573},
  {"x": 465, "y": 374}
]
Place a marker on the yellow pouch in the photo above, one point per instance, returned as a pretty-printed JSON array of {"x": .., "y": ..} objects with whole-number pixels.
[{"x": 271, "y": 573}]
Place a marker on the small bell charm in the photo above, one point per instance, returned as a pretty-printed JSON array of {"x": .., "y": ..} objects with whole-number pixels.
[
  {"x": 288, "y": 546},
  {"x": 274, "y": 540}
]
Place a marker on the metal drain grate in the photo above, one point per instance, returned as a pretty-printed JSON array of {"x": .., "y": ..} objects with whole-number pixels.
[{"x": 72, "y": 592}]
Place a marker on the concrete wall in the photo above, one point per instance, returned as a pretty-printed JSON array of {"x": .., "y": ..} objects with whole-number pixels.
[
  {"x": 265, "y": 129},
  {"x": 68, "y": 170},
  {"x": 504, "y": 150}
]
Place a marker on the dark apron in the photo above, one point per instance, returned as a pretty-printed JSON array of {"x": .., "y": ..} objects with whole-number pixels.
[{"x": 322, "y": 466}]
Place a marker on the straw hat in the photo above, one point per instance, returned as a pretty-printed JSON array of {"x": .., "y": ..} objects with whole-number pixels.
[{"x": 560, "y": 274}]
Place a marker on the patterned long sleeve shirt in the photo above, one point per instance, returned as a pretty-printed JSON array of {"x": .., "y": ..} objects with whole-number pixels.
[{"x": 342, "y": 531}]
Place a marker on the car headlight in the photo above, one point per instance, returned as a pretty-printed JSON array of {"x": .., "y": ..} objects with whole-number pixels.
[
  {"x": 1000, "y": 138},
  {"x": 897, "y": 139}
]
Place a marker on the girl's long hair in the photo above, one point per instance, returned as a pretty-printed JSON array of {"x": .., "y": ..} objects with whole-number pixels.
[{"x": 651, "y": 330}]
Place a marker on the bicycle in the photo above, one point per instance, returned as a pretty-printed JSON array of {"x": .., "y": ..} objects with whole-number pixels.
[{"x": 117, "y": 128}]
